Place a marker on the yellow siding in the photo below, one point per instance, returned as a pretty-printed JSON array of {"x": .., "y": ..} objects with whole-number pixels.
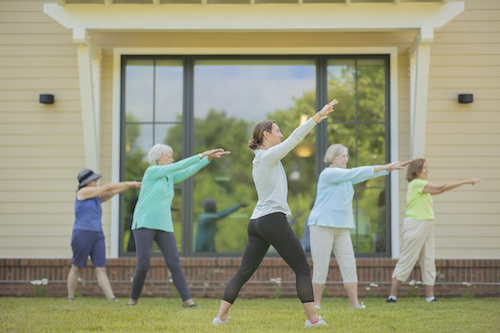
[
  {"x": 464, "y": 140},
  {"x": 41, "y": 146}
]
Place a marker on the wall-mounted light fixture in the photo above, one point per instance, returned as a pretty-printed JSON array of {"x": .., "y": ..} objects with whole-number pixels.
[
  {"x": 465, "y": 98},
  {"x": 46, "y": 98}
]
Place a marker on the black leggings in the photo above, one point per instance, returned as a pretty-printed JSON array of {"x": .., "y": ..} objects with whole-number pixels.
[
  {"x": 168, "y": 246},
  {"x": 272, "y": 229}
]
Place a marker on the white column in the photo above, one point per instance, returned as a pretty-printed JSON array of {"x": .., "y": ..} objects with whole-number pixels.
[
  {"x": 89, "y": 68},
  {"x": 420, "y": 54}
]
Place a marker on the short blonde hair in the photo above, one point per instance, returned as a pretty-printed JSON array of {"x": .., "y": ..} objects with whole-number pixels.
[
  {"x": 157, "y": 151},
  {"x": 333, "y": 152}
]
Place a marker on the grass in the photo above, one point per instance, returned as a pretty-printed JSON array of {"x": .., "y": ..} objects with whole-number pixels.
[{"x": 89, "y": 314}]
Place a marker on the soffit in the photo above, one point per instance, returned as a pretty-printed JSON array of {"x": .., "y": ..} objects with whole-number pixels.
[{"x": 284, "y": 17}]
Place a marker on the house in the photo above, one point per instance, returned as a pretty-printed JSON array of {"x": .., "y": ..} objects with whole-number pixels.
[{"x": 417, "y": 79}]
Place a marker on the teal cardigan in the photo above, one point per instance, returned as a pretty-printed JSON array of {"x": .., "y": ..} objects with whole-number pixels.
[{"x": 157, "y": 191}]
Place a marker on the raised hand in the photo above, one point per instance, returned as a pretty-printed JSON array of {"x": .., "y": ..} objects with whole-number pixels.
[
  {"x": 474, "y": 181},
  {"x": 396, "y": 165},
  {"x": 217, "y": 153},
  {"x": 325, "y": 111}
]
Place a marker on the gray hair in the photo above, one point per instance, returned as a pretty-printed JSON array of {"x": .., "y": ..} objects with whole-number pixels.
[
  {"x": 333, "y": 152},
  {"x": 157, "y": 151}
]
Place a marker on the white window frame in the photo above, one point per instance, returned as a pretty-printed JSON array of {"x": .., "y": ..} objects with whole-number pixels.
[{"x": 394, "y": 110}]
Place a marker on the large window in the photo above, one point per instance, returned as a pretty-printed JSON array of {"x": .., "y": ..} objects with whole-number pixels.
[{"x": 204, "y": 102}]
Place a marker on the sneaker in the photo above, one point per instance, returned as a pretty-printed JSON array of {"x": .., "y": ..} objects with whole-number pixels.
[
  {"x": 390, "y": 300},
  {"x": 317, "y": 307},
  {"x": 362, "y": 306},
  {"x": 217, "y": 321},
  {"x": 320, "y": 321}
]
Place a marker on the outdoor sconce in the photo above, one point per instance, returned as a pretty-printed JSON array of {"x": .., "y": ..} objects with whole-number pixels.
[
  {"x": 465, "y": 98},
  {"x": 46, "y": 99}
]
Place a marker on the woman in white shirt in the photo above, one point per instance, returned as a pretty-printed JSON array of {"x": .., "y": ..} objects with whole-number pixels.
[{"x": 268, "y": 224}]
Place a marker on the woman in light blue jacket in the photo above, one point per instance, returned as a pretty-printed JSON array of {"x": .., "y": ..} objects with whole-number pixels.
[{"x": 332, "y": 217}]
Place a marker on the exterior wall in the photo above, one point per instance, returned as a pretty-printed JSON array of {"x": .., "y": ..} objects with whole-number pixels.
[
  {"x": 41, "y": 146},
  {"x": 207, "y": 277},
  {"x": 463, "y": 140}
]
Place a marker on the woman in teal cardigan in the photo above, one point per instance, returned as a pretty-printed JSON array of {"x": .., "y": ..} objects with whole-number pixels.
[
  {"x": 332, "y": 217},
  {"x": 153, "y": 217}
]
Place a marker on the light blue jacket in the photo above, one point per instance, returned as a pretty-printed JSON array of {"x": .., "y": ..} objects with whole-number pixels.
[{"x": 333, "y": 205}]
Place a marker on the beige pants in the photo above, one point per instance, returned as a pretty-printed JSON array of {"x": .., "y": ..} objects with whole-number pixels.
[
  {"x": 418, "y": 243},
  {"x": 323, "y": 239}
]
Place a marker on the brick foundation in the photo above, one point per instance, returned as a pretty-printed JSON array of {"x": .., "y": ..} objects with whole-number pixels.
[{"x": 207, "y": 277}]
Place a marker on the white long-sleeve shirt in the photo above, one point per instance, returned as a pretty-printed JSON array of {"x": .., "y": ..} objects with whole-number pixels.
[{"x": 269, "y": 175}]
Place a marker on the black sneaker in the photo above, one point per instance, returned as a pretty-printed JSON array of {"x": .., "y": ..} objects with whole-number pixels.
[{"x": 390, "y": 300}]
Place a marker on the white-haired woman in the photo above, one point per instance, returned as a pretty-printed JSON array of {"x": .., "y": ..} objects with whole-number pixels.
[
  {"x": 332, "y": 217},
  {"x": 153, "y": 218}
]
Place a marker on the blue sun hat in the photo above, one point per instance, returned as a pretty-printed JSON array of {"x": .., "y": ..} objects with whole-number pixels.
[{"x": 86, "y": 176}]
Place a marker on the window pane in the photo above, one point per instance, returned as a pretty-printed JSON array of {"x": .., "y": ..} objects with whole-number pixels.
[
  {"x": 148, "y": 81},
  {"x": 137, "y": 144},
  {"x": 230, "y": 97},
  {"x": 169, "y": 90},
  {"x": 341, "y": 76},
  {"x": 371, "y": 149},
  {"x": 139, "y": 90},
  {"x": 370, "y": 221},
  {"x": 170, "y": 135},
  {"x": 371, "y": 90},
  {"x": 345, "y": 135}
]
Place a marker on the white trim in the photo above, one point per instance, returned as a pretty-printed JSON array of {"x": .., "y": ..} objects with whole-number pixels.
[
  {"x": 394, "y": 154},
  {"x": 89, "y": 68},
  {"x": 271, "y": 17},
  {"x": 419, "y": 86},
  {"x": 394, "y": 128},
  {"x": 115, "y": 156}
]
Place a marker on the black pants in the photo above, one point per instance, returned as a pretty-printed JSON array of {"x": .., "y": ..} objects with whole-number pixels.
[
  {"x": 272, "y": 229},
  {"x": 168, "y": 246}
]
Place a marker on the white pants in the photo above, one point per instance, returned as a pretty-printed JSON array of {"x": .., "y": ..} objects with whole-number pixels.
[
  {"x": 418, "y": 243},
  {"x": 323, "y": 239}
]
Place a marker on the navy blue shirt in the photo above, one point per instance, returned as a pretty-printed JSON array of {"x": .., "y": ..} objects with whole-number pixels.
[{"x": 88, "y": 214}]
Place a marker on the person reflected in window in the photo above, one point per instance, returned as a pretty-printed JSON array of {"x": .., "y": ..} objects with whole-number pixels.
[
  {"x": 87, "y": 238},
  {"x": 379, "y": 239},
  {"x": 131, "y": 240},
  {"x": 305, "y": 241},
  {"x": 417, "y": 238},
  {"x": 207, "y": 224},
  {"x": 268, "y": 224},
  {"x": 153, "y": 217},
  {"x": 332, "y": 216}
]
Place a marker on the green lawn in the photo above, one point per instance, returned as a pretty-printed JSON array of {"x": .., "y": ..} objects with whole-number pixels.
[{"x": 88, "y": 314}]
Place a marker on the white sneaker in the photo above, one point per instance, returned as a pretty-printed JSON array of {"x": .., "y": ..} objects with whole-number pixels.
[
  {"x": 320, "y": 321},
  {"x": 317, "y": 307},
  {"x": 217, "y": 321}
]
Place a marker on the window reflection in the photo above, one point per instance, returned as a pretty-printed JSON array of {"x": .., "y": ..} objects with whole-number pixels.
[
  {"x": 153, "y": 114},
  {"x": 359, "y": 123},
  {"x": 230, "y": 96}
]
